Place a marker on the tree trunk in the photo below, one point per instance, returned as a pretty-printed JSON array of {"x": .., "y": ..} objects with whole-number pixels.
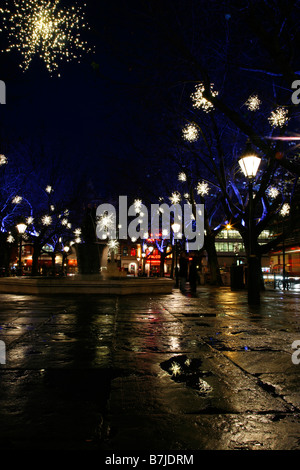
[
  {"x": 213, "y": 262},
  {"x": 35, "y": 260}
]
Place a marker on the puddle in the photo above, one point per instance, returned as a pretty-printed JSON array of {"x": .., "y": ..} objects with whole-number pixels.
[{"x": 185, "y": 370}]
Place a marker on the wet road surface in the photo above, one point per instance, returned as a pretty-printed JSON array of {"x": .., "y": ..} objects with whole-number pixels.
[{"x": 165, "y": 372}]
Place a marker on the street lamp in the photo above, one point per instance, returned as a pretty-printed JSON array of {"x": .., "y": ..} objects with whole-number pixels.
[
  {"x": 249, "y": 163},
  {"x": 21, "y": 227},
  {"x": 65, "y": 259},
  {"x": 143, "y": 263},
  {"x": 285, "y": 210},
  {"x": 151, "y": 250},
  {"x": 176, "y": 228}
]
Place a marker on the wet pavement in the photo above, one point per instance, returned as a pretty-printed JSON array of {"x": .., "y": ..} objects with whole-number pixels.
[{"x": 150, "y": 373}]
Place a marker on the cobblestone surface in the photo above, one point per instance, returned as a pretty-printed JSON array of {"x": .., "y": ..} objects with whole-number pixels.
[{"x": 97, "y": 373}]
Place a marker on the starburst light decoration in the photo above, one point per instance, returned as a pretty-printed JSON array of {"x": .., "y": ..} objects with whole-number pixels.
[
  {"x": 48, "y": 189},
  {"x": 273, "y": 192},
  {"x": 3, "y": 160},
  {"x": 10, "y": 238},
  {"x": 182, "y": 176},
  {"x": 77, "y": 232},
  {"x": 198, "y": 99},
  {"x": 202, "y": 188},
  {"x": 175, "y": 198},
  {"x": 45, "y": 29},
  {"x": 190, "y": 133},
  {"x": 113, "y": 245},
  {"x": 253, "y": 103},
  {"x": 285, "y": 210},
  {"x": 46, "y": 220},
  {"x": 279, "y": 117},
  {"x": 29, "y": 220},
  {"x": 137, "y": 205},
  {"x": 175, "y": 368},
  {"x": 17, "y": 200},
  {"x": 106, "y": 222}
]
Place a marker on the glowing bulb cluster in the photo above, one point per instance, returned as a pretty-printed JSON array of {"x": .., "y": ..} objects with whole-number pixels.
[
  {"x": 137, "y": 205},
  {"x": 182, "y": 176},
  {"x": 10, "y": 238},
  {"x": 273, "y": 192},
  {"x": 198, "y": 99},
  {"x": 46, "y": 220},
  {"x": 190, "y": 133},
  {"x": 3, "y": 160},
  {"x": 45, "y": 29},
  {"x": 17, "y": 200},
  {"x": 285, "y": 210},
  {"x": 175, "y": 368},
  {"x": 279, "y": 117},
  {"x": 202, "y": 188},
  {"x": 253, "y": 103},
  {"x": 175, "y": 198},
  {"x": 113, "y": 245}
]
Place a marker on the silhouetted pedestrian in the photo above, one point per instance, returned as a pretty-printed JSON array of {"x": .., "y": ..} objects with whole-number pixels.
[
  {"x": 183, "y": 271},
  {"x": 193, "y": 275}
]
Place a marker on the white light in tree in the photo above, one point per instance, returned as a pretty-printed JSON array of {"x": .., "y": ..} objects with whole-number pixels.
[
  {"x": 52, "y": 208},
  {"x": 279, "y": 117},
  {"x": 113, "y": 245},
  {"x": 106, "y": 222},
  {"x": 202, "y": 188},
  {"x": 64, "y": 221},
  {"x": 44, "y": 29},
  {"x": 78, "y": 240},
  {"x": 3, "y": 160},
  {"x": 137, "y": 205},
  {"x": 17, "y": 200},
  {"x": 175, "y": 198},
  {"x": 175, "y": 368},
  {"x": 273, "y": 192},
  {"x": 198, "y": 99},
  {"x": 69, "y": 225},
  {"x": 46, "y": 220},
  {"x": 77, "y": 232},
  {"x": 190, "y": 133},
  {"x": 253, "y": 103},
  {"x": 182, "y": 176},
  {"x": 187, "y": 362},
  {"x": 285, "y": 210},
  {"x": 10, "y": 238},
  {"x": 186, "y": 196},
  {"x": 29, "y": 220},
  {"x": 48, "y": 189}
]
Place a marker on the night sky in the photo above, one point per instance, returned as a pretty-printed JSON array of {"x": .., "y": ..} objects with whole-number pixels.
[
  {"x": 90, "y": 113},
  {"x": 103, "y": 115}
]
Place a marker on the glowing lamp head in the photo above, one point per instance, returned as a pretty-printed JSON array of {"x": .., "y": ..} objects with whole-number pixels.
[
  {"x": 176, "y": 227},
  {"x": 21, "y": 228},
  {"x": 249, "y": 163}
]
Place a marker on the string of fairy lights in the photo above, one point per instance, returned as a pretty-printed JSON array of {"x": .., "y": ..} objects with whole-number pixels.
[{"x": 45, "y": 29}]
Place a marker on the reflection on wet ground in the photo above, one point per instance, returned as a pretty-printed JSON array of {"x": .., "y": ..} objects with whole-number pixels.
[{"x": 164, "y": 372}]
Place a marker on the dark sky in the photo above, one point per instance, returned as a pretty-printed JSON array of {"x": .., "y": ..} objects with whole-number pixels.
[
  {"x": 102, "y": 111},
  {"x": 90, "y": 112}
]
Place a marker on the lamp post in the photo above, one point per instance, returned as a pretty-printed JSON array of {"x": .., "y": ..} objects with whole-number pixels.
[
  {"x": 151, "y": 250},
  {"x": 249, "y": 163},
  {"x": 143, "y": 263},
  {"x": 65, "y": 259},
  {"x": 285, "y": 210},
  {"x": 176, "y": 228},
  {"x": 21, "y": 229}
]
